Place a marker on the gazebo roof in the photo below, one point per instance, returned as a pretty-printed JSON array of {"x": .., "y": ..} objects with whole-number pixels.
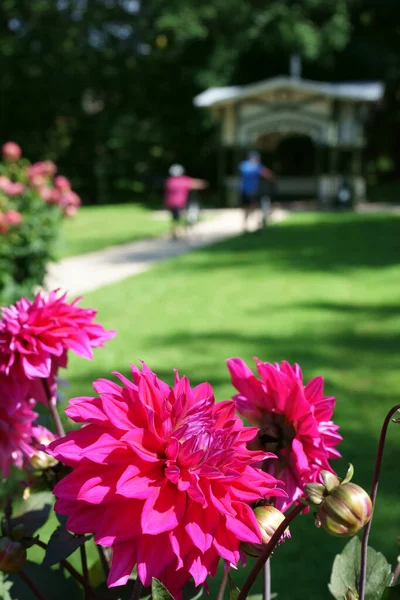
[{"x": 370, "y": 91}]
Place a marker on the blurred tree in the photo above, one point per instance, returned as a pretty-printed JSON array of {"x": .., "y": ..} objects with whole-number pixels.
[{"x": 105, "y": 87}]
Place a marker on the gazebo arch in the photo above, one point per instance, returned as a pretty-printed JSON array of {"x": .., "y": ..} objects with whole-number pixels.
[{"x": 331, "y": 114}]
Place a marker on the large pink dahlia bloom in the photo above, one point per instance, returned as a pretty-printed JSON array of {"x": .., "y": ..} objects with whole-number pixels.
[
  {"x": 163, "y": 475},
  {"x": 35, "y": 336},
  {"x": 294, "y": 421},
  {"x": 16, "y": 418}
]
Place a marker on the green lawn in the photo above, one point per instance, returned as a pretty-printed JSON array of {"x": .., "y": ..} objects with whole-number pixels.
[
  {"x": 319, "y": 289},
  {"x": 96, "y": 227}
]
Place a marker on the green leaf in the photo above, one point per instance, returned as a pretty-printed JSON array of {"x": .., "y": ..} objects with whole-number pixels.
[
  {"x": 61, "y": 545},
  {"x": 346, "y": 572},
  {"x": 233, "y": 589},
  {"x": 34, "y": 512},
  {"x": 159, "y": 592},
  {"x": 54, "y": 585}
]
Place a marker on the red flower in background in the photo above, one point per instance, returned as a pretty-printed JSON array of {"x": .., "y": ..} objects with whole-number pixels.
[
  {"x": 163, "y": 476},
  {"x": 294, "y": 422}
]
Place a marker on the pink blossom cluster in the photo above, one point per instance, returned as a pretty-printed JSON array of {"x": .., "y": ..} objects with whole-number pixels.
[
  {"x": 11, "y": 188},
  {"x": 9, "y": 219},
  {"x": 11, "y": 151},
  {"x": 41, "y": 177},
  {"x": 35, "y": 338}
]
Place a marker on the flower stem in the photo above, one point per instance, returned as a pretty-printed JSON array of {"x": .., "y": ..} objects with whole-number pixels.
[
  {"x": 52, "y": 402},
  {"x": 85, "y": 571},
  {"x": 248, "y": 584},
  {"x": 267, "y": 580},
  {"x": 137, "y": 589},
  {"x": 374, "y": 491},
  {"x": 31, "y": 585},
  {"x": 222, "y": 586},
  {"x": 103, "y": 560},
  {"x": 75, "y": 574}
]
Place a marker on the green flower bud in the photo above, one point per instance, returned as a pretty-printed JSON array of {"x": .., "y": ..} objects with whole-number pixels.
[
  {"x": 268, "y": 518},
  {"x": 41, "y": 461},
  {"x": 315, "y": 492},
  {"x": 12, "y": 555},
  {"x": 330, "y": 480},
  {"x": 351, "y": 595},
  {"x": 345, "y": 510}
]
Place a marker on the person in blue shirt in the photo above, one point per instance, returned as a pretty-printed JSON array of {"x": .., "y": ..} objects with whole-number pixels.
[{"x": 251, "y": 172}]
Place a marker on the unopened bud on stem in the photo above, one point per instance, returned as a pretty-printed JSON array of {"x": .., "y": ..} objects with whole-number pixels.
[{"x": 268, "y": 518}]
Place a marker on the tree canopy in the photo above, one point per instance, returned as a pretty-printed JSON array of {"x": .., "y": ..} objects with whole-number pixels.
[{"x": 105, "y": 87}]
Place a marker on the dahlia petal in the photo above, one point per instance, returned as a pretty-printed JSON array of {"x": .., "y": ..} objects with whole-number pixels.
[
  {"x": 244, "y": 525},
  {"x": 196, "y": 568},
  {"x": 152, "y": 564},
  {"x": 123, "y": 560},
  {"x": 163, "y": 510},
  {"x": 36, "y": 366},
  {"x": 85, "y": 409},
  {"x": 143, "y": 443},
  {"x": 244, "y": 380},
  {"x": 138, "y": 481},
  {"x": 314, "y": 389},
  {"x": 105, "y": 386},
  {"x": 201, "y": 525},
  {"x": 226, "y": 544}
]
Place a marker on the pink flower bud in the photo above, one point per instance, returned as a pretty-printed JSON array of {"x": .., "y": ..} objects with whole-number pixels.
[
  {"x": 345, "y": 510},
  {"x": 268, "y": 518},
  {"x": 11, "y": 151},
  {"x": 12, "y": 555}
]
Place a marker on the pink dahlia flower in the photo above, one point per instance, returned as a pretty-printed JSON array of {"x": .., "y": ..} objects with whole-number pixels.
[
  {"x": 163, "y": 475},
  {"x": 35, "y": 336},
  {"x": 294, "y": 422},
  {"x": 11, "y": 151},
  {"x": 16, "y": 418}
]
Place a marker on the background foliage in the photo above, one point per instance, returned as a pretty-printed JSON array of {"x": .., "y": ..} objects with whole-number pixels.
[{"x": 105, "y": 87}]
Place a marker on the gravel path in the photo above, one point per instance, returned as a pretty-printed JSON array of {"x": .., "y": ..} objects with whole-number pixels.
[{"x": 88, "y": 272}]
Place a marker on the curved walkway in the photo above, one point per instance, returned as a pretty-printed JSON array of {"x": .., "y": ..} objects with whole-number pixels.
[{"x": 88, "y": 272}]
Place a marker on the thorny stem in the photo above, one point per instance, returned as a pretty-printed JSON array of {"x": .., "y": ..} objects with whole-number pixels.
[
  {"x": 75, "y": 574},
  {"x": 137, "y": 589},
  {"x": 374, "y": 491},
  {"x": 31, "y": 585},
  {"x": 85, "y": 571},
  {"x": 222, "y": 586},
  {"x": 52, "y": 401},
  {"x": 248, "y": 584}
]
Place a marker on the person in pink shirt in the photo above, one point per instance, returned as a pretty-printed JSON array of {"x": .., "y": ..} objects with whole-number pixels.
[{"x": 177, "y": 188}]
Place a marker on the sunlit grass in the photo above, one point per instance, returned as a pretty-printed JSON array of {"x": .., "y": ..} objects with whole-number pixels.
[{"x": 322, "y": 290}]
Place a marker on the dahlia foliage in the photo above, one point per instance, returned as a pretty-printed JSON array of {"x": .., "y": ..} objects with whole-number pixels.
[{"x": 167, "y": 482}]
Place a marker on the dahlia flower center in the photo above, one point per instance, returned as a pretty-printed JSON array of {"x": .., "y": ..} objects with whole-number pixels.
[{"x": 276, "y": 433}]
